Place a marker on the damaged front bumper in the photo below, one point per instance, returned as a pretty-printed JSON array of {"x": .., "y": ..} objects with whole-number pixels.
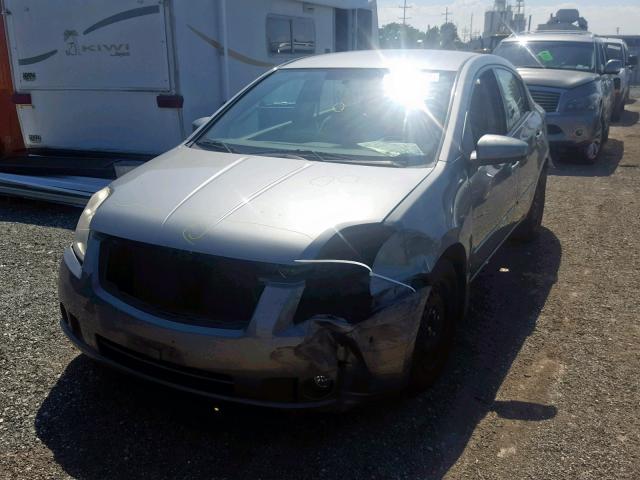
[
  {"x": 572, "y": 130},
  {"x": 276, "y": 361}
]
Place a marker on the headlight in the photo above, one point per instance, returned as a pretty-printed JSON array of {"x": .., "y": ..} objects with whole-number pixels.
[
  {"x": 588, "y": 103},
  {"x": 81, "y": 236}
]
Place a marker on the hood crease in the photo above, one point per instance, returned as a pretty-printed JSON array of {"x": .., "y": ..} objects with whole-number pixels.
[
  {"x": 246, "y": 201},
  {"x": 202, "y": 185}
]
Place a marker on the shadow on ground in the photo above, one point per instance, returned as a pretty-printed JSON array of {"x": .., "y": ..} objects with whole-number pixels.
[
  {"x": 100, "y": 424},
  {"x": 569, "y": 164},
  {"x": 19, "y": 210},
  {"x": 628, "y": 119}
]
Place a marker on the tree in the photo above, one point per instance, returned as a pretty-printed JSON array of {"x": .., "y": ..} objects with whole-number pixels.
[
  {"x": 432, "y": 37},
  {"x": 449, "y": 36},
  {"x": 396, "y": 35}
]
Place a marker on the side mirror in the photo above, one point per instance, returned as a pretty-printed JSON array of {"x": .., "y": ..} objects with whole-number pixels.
[
  {"x": 613, "y": 67},
  {"x": 496, "y": 149},
  {"x": 633, "y": 61},
  {"x": 199, "y": 122}
]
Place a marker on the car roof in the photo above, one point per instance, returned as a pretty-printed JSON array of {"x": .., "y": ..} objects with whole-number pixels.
[
  {"x": 421, "y": 59},
  {"x": 554, "y": 36}
]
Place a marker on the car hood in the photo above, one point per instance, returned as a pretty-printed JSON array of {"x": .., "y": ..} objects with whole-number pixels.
[
  {"x": 249, "y": 207},
  {"x": 556, "y": 78}
]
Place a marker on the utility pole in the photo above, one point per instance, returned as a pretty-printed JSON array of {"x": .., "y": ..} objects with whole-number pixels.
[
  {"x": 471, "y": 28},
  {"x": 404, "y": 8},
  {"x": 446, "y": 15},
  {"x": 465, "y": 32}
]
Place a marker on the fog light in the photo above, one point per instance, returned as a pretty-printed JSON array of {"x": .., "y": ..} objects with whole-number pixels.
[
  {"x": 322, "y": 382},
  {"x": 579, "y": 132}
]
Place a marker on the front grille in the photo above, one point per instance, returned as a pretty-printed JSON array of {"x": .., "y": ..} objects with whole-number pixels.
[
  {"x": 181, "y": 286},
  {"x": 547, "y": 100},
  {"x": 191, "y": 378}
]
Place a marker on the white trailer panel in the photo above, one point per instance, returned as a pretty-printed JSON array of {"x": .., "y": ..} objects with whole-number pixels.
[
  {"x": 128, "y": 122},
  {"x": 99, "y": 72},
  {"x": 81, "y": 45}
]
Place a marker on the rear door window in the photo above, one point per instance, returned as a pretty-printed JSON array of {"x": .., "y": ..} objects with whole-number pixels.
[{"x": 515, "y": 99}]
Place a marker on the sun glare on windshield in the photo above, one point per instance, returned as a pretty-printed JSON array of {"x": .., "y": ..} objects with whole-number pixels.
[{"x": 409, "y": 87}]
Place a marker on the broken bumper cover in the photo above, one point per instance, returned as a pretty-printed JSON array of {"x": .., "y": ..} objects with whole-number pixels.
[
  {"x": 273, "y": 362},
  {"x": 570, "y": 130}
]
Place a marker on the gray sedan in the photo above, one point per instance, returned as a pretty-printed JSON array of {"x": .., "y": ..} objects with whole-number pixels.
[{"x": 312, "y": 244}]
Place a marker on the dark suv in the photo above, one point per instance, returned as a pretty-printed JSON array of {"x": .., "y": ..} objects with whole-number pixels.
[{"x": 569, "y": 76}]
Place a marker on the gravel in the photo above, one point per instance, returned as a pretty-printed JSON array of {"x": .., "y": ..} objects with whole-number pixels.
[{"x": 543, "y": 383}]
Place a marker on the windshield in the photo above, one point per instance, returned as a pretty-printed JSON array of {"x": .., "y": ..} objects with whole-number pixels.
[
  {"x": 368, "y": 116},
  {"x": 556, "y": 55}
]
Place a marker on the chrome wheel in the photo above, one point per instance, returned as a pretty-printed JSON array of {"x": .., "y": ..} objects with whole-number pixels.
[{"x": 592, "y": 151}]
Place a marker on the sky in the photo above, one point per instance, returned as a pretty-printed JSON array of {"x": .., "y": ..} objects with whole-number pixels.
[{"x": 603, "y": 17}]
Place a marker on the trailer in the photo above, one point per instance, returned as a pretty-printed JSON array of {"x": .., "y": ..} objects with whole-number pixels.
[
  {"x": 10, "y": 135},
  {"x": 102, "y": 86}
]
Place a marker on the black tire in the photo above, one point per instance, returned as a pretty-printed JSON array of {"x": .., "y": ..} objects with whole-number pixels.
[
  {"x": 529, "y": 229},
  {"x": 591, "y": 152},
  {"x": 617, "y": 111},
  {"x": 435, "y": 335}
]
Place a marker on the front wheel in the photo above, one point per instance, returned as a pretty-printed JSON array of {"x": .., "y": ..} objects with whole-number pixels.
[
  {"x": 591, "y": 152},
  {"x": 618, "y": 110},
  {"x": 434, "y": 339},
  {"x": 529, "y": 229}
]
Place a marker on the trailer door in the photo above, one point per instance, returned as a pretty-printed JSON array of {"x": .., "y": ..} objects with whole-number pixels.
[{"x": 94, "y": 70}]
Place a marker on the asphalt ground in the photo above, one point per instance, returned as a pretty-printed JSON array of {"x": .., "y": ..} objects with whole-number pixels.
[{"x": 543, "y": 383}]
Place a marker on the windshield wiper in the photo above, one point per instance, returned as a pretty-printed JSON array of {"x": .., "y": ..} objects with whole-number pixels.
[
  {"x": 375, "y": 163},
  {"x": 298, "y": 154},
  {"x": 301, "y": 154},
  {"x": 214, "y": 145}
]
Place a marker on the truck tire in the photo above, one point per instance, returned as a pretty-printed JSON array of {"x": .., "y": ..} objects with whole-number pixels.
[{"x": 434, "y": 339}]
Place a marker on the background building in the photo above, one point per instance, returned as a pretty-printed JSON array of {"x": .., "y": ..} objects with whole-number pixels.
[{"x": 504, "y": 18}]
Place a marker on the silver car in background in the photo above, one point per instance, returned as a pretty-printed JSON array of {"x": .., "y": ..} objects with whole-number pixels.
[
  {"x": 569, "y": 76},
  {"x": 313, "y": 243},
  {"x": 617, "y": 49}
]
